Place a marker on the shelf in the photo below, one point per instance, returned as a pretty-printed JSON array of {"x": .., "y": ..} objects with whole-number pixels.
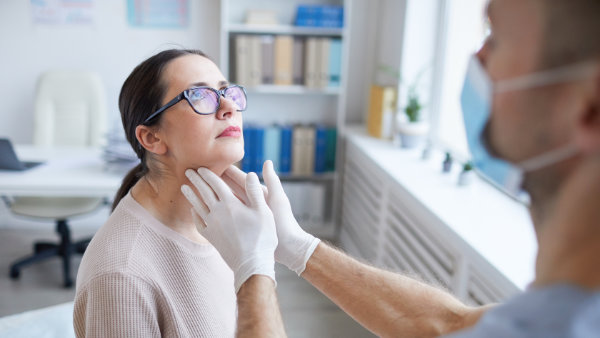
[
  {"x": 284, "y": 29},
  {"x": 295, "y": 90}
]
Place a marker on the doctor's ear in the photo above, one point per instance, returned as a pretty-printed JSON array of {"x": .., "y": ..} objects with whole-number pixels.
[
  {"x": 588, "y": 136},
  {"x": 150, "y": 139}
]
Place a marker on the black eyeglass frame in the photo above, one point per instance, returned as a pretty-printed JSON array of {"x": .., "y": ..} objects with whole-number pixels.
[{"x": 185, "y": 95}]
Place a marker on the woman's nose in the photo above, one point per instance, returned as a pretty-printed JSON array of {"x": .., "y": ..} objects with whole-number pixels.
[{"x": 226, "y": 109}]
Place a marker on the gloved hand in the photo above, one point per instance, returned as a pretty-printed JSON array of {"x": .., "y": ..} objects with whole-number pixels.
[
  {"x": 295, "y": 245},
  {"x": 244, "y": 234}
]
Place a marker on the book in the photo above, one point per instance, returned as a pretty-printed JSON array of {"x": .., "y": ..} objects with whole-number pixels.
[
  {"x": 311, "y": 62},
  {"x": 272, "y": 146},
  {"x": 298, "y": 61},
  {"x": 242, "y": 55},
  {"x": 254, "y": 61},
  {"x": 268, "y": 55},
  {"x": 335, "y": 62},
  {"x": 258, "y": 150},
  {"x": 298, "y": 159},
  {"x": 323, "y": 62},
  {"x": 285, "y": 160},
  {"x": 330, "y": 153},
  {"x": 382, "y": 103},
  {"x": 319, "y": 16},
  {"x": 283, "y": 60},
  {"x": 320, "y": 149},
  {"x": 248, "y": 159},
  {"x": 303, "y": 151}
]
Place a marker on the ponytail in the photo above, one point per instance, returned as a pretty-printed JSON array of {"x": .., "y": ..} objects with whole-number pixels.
[{"x": 129, "y": 181}]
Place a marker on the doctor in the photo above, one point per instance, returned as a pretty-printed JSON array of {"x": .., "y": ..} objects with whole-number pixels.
[{"x": 531, "y": 104}]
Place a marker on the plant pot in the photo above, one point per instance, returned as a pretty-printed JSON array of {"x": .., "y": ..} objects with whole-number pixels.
[
  {"x": 465, "y": 177},
  {"x": 412, "y": 134}
]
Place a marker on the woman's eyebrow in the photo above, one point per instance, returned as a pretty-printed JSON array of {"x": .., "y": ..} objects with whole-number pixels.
[{"x": 221, "y": 84}]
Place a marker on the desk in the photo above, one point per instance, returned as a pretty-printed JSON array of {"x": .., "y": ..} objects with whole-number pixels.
[{"x": 66, "y": 172}]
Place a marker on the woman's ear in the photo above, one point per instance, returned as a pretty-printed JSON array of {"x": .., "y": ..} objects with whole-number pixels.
[{"x": 150, "y": 139}]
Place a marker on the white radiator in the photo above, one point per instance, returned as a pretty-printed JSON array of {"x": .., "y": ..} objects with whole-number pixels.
[{"x": 386, "y": 226}]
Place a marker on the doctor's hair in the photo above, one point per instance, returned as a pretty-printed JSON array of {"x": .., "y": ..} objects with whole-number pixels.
[
  {"x": 141, "y": 95},
  {"x": 571, "y": 30}
]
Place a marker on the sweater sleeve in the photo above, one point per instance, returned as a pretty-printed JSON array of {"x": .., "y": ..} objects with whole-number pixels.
[{"x": 116, "y": 305}]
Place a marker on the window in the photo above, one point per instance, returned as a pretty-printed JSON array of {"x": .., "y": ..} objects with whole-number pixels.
[{"x": 465, "y": 32}]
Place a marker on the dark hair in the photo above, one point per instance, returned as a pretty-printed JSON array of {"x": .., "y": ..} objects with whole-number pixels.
[{"x": 141, "y": 95}]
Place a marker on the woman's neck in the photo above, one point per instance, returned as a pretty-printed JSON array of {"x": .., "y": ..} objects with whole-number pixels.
[{"x": 163, "y": 199}]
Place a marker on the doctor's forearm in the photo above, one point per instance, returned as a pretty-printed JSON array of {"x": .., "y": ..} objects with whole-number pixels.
[
  {"x": 258, "y": 309},
  {"x": 386, "y": 303}
]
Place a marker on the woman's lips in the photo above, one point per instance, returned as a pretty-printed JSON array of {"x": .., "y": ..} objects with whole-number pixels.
[{"x": 232, "y": 131}]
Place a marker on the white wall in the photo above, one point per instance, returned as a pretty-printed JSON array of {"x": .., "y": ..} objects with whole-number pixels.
[{"x": 109, "y": 46}]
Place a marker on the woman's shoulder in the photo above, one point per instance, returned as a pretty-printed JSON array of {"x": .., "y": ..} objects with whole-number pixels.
[{"x": 115, "y": 246}]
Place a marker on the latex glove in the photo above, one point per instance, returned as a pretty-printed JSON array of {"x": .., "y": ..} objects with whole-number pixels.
[
  {"x": 244, "y": 234},
  {"x": 295, "y": 245}
]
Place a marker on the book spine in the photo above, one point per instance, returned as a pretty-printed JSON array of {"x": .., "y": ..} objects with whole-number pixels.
[
  {"x": 335, "y": 62},
  {"x": 272, "y": 146},
  {"x": 255, "y": 61},
  {"x": 323, "y": 73},
  {"x": 241, "y": 59},
  {"x": 283, "y": 60},
  {"x": 310, "y": 69},
  {"x": 331, "y": 149},
  {"x": 285, "y": 163},
  {"x": 248, "y": 160},
  {"x": 320, "y": 149},
  {"x": 267, "y": 54},
  {"x": 309, "y": 151},
  {"x": 298, "y": 156},
  {"x": 258, "y": 149},
  {"x": 298, "y": 65}
]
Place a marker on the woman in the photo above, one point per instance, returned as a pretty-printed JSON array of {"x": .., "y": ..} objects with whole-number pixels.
[{"x": 148, "y": 272}]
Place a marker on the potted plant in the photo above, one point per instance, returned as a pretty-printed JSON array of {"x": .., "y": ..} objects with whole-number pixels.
[
  {"x": 411, "y": 126},
  {"x": 466, "y": 175}
]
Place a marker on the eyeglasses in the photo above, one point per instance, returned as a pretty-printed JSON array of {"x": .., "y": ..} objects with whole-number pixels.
[{"x": 206, "y": 100}]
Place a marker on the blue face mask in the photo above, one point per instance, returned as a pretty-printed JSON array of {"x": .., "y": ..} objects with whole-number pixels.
[{"x": 476, "y": 101}]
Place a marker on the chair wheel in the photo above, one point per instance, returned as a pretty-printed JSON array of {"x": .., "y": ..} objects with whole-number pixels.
[{"x": 14, "y": 273}]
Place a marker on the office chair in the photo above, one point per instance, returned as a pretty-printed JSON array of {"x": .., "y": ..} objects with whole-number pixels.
[{"x": 70, "y": 110}]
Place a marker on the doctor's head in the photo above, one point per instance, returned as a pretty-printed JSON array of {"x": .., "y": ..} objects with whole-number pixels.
[
  {"x": 180, "y": 112},
  {"x": 558, "y": 40}
]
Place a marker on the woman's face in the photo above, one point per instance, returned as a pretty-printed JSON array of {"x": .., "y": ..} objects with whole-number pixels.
[{"x": 195, "y": 140}]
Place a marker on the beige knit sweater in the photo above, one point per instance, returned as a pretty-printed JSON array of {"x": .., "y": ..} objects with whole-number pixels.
[{"x": 139, "y": 278}]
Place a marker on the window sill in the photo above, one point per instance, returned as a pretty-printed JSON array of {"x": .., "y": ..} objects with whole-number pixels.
[{"x": 493, "y": 224}]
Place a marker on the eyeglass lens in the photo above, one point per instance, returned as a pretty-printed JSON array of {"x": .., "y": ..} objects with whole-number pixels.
[{"x": 206, "y": 101}]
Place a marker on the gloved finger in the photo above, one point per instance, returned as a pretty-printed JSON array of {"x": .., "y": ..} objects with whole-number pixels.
[
  {"x": 216, "y": 183},
  {"x": 236, "y": 175},
  {"x": 239, "y": 176},
  {"x": 200, "y": 223},
  {"x": 254, "y": 191},
  {"x": 238, "y": 191},
  {"x": 206, "y": 193},
  {"x": 196, "y": 203},
  {"x": 272, "y": 180}
]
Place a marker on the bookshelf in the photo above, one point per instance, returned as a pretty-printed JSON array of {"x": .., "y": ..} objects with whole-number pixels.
[
  {"x": 284, "y": 30},
  {"x": 295, "y": 103}
]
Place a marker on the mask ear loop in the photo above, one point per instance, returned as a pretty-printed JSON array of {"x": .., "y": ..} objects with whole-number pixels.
[
  {"x": 568, "y": 73},
  {"x": 547, "y": 159}
]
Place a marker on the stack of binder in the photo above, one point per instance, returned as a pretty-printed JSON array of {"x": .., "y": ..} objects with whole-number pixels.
[
  {"x": 314, "y": 62},
  {"x": 300, "y": 150}
]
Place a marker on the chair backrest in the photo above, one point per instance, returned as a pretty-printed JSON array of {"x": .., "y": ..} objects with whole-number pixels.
[{"x": 70, "y": 109}]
